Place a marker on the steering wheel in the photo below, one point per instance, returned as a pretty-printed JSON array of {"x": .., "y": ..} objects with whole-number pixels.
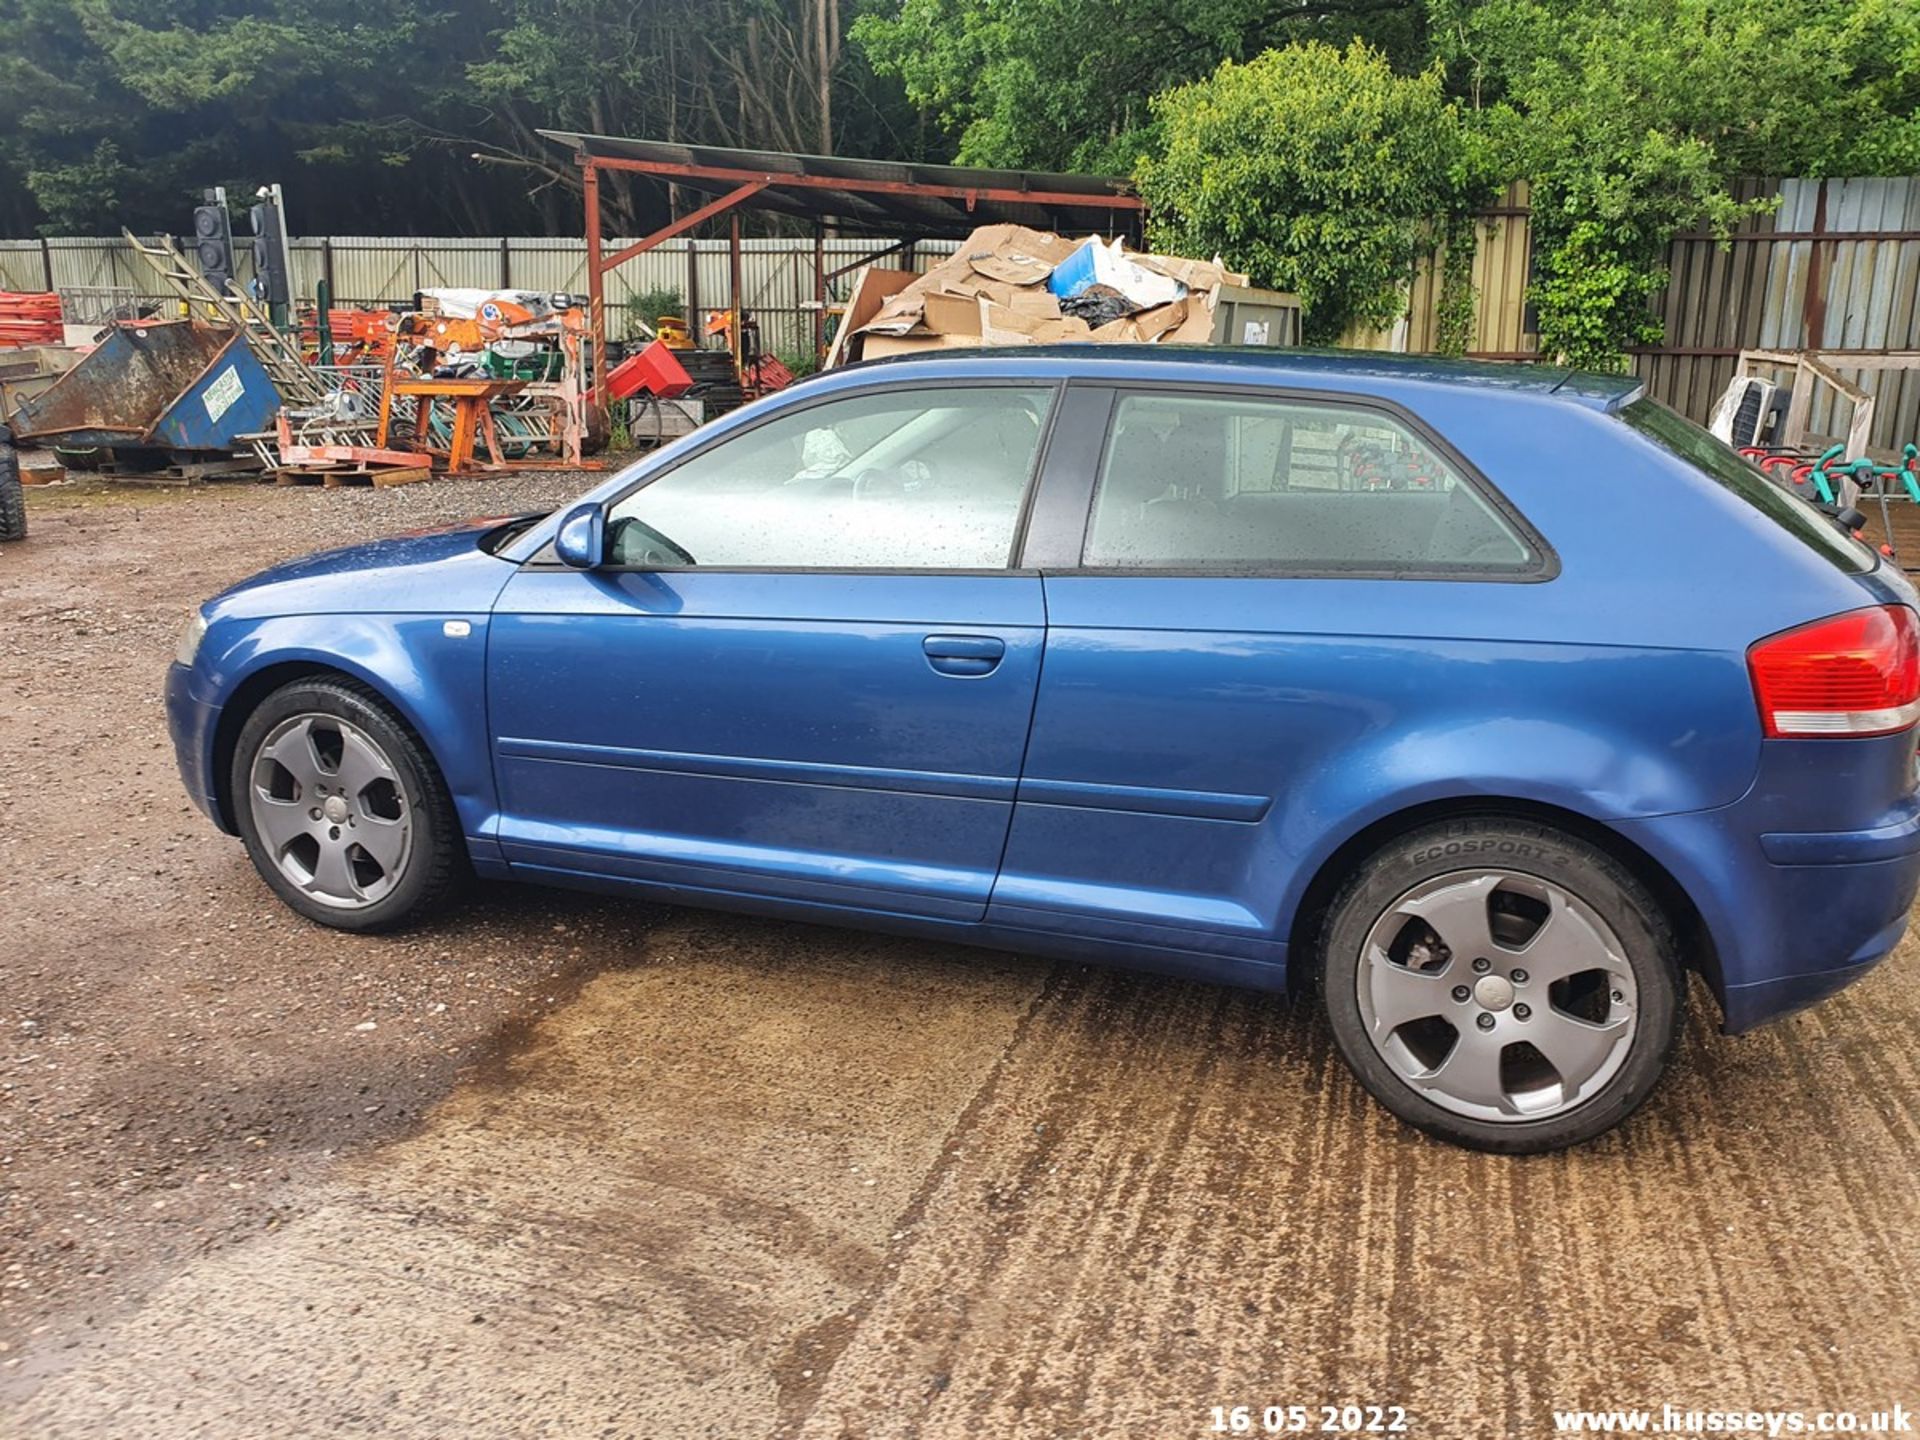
[
  {"x": 654, "y": 548},
  {"x": 880, "y": 483}
]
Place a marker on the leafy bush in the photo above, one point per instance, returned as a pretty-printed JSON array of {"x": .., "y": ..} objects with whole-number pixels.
[
  {"x": 647, "y": 306},
  {"x": 1632, "y": 118},
  {"x": 1064, "y": 84},
  {"x": 1315, "y": 170}
]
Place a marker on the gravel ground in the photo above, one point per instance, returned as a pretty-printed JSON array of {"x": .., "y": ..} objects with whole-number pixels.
[
  {"x": 176, "y": 1050},
  {"x": 564, "y": 1166}
]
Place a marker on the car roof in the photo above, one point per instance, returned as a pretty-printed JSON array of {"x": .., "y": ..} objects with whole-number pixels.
[{"x": 1242, "y": 365}]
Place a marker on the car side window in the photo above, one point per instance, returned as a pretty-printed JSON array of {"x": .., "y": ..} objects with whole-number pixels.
[
  {"x": 925, "y": 479},
  {"x": 1209, "y": 482}
]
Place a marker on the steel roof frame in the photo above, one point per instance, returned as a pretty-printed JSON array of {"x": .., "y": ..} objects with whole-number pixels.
[{"x": 750, "y": 188}]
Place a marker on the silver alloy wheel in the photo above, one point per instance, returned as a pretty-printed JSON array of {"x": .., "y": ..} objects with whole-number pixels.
[
  {"x": 331, "y": 810},
  {"x": 1497, "y": 995}
]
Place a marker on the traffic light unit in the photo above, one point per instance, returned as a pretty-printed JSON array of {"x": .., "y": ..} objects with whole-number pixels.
[
  {"x": 270, "y": 248},
  {"x": 213, "y": 240}
]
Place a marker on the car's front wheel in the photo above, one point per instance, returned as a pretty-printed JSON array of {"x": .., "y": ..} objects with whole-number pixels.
[
  {"x": 1502, "y": 985},
  {"x": 342, "y": 810}
]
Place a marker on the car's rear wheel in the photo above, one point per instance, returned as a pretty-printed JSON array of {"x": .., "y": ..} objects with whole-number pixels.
[
  {"x": 342, "y": 810},
  {"x": 1502, "y": 985}
]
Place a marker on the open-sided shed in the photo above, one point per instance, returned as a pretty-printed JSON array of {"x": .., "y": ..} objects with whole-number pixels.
[{"x": 880, "y": 197}]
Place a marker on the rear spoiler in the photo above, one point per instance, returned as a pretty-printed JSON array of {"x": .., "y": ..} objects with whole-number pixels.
[{"x": 1617, "y": 403}]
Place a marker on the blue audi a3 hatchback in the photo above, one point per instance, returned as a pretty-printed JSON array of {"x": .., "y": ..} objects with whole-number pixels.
[{"x": 1482, "y": 703}]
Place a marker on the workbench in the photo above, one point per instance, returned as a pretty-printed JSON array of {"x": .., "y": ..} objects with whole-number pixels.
[{"x": 472, "y": 418}]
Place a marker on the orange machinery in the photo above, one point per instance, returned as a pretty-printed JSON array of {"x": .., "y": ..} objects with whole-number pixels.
[{"x": 550, "y": 415}]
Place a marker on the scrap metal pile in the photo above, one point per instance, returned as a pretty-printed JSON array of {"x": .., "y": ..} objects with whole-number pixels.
[
  {"x": 1008, "y": 285},
  {"x": 465, "y": 380},
  {"x": 470, "y": 380}
]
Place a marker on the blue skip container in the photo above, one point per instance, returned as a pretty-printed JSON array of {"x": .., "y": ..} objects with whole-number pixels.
[{"x": 165, "y": 384}]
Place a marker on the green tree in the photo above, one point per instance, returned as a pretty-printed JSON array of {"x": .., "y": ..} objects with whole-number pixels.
[
  {"x": 370, "y": 111},
  {"x": 1065, "y": 84},
  {"x": 1632, "y": 118},
  {"x": 119, "y": 111},
  {"x": 1314, "y": 169},
  {"x": 775, "y": 74}
]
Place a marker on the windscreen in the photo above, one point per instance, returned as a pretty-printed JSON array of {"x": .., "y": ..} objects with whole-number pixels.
[{"x": 1680, "y": 436}]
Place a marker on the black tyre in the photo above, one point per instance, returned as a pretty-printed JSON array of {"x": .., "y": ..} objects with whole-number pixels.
[
  {"x": 342, "y": 810},
  {"x": 13, "y": 498},
  {"x": 1502, "y": 985}
]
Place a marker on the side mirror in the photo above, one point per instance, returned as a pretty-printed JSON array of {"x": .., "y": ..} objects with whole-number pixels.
[{"x": 581, "y": 541}]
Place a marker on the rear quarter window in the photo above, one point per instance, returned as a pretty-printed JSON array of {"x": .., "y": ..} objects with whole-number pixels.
[
  {"x": 1680, "y": 437},
  {"x": 1250, "y": 484}
]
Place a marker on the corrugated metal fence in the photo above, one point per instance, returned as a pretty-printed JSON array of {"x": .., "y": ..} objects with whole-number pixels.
[
  {"x": 1835, "y": 266},
  {"x": 776, "y": 275}
]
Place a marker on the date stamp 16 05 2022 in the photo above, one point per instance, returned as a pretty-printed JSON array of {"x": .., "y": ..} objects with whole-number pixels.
[{"x": 1308, "y": 1420}]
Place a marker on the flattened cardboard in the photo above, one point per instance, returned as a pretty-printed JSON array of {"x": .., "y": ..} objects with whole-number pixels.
[
  {"x": 1002, "y": 325},
  {"x": 1195, "y": 274},
  {"x": 1036, "y": 301},
  {"x": 1152, "y": 324},
  {"x": 1014, "y": 269},
  {"x": 992, "y": 291},
  {"x": 877, "y": 347},
  {"x": 871, "y": 289},
  {"x": 898, "y": 315},
  {"x": 1003, "y": 239},
  {"x": 1066, "y": 328},
  {"x": 950, "y": 314},
  {"x": 1197, "y": 328}
]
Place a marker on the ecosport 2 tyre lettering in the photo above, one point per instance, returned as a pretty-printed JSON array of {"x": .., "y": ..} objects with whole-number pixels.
[
  {"x": 342, "y": 810},
  {"x": 1502, "y": 985}
]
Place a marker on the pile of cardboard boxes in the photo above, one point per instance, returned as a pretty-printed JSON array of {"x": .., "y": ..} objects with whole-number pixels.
[{"x": 1008, "y": 285}]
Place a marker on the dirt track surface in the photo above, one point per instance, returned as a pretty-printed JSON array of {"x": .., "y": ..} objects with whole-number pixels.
[{"x": 601, "y": 1169}]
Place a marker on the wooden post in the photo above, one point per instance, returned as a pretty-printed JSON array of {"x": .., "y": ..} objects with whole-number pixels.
[
  {"x": 1799, "y": 404},
  {"x": 1861, "y": 425},
  {"x": 1813, "y": 305},
  {"x": 1860, "y": 428}
]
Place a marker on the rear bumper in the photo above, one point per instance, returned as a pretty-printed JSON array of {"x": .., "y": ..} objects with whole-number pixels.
[
  {"x": 1746, "y": 1006},
  {"x": 1794, "y": 915}
]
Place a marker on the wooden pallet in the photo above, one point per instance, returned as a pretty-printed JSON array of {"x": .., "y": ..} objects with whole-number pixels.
[
  {"x": 334, "y": 477},
  {"x": 198, "y": 472}
]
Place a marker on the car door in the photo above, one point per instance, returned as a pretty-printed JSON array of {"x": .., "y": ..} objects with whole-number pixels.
[
  {"x": 1228, "y": 576},
  {"x": 807, "y": 671}
]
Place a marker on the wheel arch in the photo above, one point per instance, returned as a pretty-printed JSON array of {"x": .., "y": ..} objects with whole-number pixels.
[
  {"x": 248, "y": 695},
  {"x": 1698, "y": 951}
]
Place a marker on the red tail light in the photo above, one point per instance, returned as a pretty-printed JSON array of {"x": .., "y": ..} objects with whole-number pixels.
[{"x": 1851, "y": 674}]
